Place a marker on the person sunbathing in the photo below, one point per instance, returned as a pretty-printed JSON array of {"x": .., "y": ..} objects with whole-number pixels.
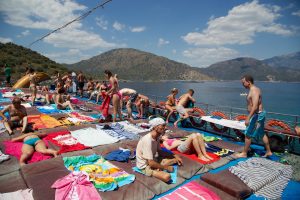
[
  {"x": 61, "y": 103},
  {"x": 18, "y": 116},
  {"x": 32, "y": 143},
  {"x": 193, "y": 142},
  {"x": 171, "y": 103},
  {"x": 142, "y": 104}
]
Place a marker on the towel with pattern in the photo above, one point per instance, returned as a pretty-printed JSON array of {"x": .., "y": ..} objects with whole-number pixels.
[
  {"x": 81, "y": 117},
  {"x": 43, "y": 121},
  {"x": 65, "y": 141},
  {"x": 191, "y": 190},
  {"x": 265, "y": 177},
  {"x": 104, "y": 175},
  {"x": 118, "y": 132}
]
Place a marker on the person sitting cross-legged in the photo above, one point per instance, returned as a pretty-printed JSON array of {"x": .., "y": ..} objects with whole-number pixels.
[{"x": 148, "y": 147}]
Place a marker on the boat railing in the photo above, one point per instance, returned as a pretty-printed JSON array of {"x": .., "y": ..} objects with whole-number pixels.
[{"x": 287, "y": 134}]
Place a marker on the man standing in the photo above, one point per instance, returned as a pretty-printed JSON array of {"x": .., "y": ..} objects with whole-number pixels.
[
  {"x": 183, "y": 105},
  {"x": 256, "y": 117},
  {"x": 81, "y": 80},
  {"x": 7, "y": 71},
  {"x": 147, "y": 149}
]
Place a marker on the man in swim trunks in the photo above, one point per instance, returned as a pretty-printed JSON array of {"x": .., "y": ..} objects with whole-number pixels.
[
  {"x": 256, "y": 118},
  {"x": 182, "y": 106},
  {"x": 18, "y": 116},
  {"x": 133, "y": 95},
  {"x": 81, "y": 78},
  {"x": 146, "y": 153}
]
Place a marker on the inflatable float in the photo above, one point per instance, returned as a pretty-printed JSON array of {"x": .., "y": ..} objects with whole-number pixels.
[{"x": 24, "y": 81}]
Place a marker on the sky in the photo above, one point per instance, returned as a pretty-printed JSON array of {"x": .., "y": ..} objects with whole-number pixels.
[{"x": 195, "y": 32}]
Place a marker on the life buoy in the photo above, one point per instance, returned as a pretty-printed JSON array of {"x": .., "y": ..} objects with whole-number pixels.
[
  {"x": 223, "y": 116},
  {"x": 201, "y": 113},
  {"x": 239, "y": 133},
  {"x": 277, "y": 123}
]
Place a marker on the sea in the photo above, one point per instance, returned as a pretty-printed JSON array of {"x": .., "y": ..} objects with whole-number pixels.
[{"x": 278, "y": 97}]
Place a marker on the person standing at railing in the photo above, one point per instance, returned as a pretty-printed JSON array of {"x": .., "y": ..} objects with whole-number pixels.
[{"x": 256, "y": 117}]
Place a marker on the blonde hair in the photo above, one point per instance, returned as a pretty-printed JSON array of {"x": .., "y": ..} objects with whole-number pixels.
[{"x": 174, "y": 90}]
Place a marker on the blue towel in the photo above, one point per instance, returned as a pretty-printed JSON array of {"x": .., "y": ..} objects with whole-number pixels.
[
  {"x": 173, "y": 174},
  {"x": 118, "y": 155}
]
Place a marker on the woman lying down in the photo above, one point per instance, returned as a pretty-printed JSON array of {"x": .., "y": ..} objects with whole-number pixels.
[
  {"x": 32, "y": 143},
  {"x": 194, "y": 142}
]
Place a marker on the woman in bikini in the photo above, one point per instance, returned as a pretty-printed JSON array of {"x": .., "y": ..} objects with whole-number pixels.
[
  {"x": 32, "y": 79},
  {"x": 113, "y": 92},
  {"x": 171, "y": 103},
  {"x": 31, "y": 143},
  {"x": 193, "y": 142}
]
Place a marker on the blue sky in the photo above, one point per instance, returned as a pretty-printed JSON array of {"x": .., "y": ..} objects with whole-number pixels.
[{"x": 196, "y": 32}]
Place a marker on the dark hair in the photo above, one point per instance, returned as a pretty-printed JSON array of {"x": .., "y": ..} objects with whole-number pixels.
[
  {"x": 16, "y": 100},
  {"x": 248, "y": 78},
  {"x": 108, "y": 73},
  {"x": 31, "y": 70},
  {"x": 191, "y": 90},
  {"x": 61, "y": 91}
]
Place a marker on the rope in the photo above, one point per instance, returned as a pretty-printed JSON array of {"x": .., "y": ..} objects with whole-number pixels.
[{"x": 84, "y": 15}]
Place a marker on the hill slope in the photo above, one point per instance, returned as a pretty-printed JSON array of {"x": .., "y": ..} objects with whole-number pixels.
[
  {"x": 19, "y": 58},
  {"x": 132, "y": 64},
  {"x": 235, "y": 68},
  {"x": 285, "y": 61}
]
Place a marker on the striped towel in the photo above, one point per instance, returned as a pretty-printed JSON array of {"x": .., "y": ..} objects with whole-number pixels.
[{"x": 265, "y": 177}]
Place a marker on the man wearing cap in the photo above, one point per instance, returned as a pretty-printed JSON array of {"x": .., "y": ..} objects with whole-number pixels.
[
  {"x": 147, "y": 149},
  {"x": 18, "y": 116}
]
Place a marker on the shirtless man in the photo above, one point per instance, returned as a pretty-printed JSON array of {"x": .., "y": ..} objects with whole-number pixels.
[
  {"x": 255, "y": 119},
  {"x": 18, "y": 116},
  {"x": 182, "y": 105},
  {"x": 133, "y": 95},
  {"x": 81, "y": 78},
  {"x": 142, "y": 104}
]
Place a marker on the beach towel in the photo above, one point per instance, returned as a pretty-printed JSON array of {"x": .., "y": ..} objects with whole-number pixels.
[
  {"x": 265, "y": 177},
  {"x": 76, "y": 185},
  {"x": 194, "y": 156},
  {"x": 239, "y": 125},
  {"x": 126, "y": 125},
  {"x": 18, "y": 195},
  {"x": 76, "y": 101},
  {"x": 91, "y": 137},
  {"x": 105, "y": 105},
  {"x": 191, "y": 190},
  {"x": 81, "y": 117},
  {"x": 173, "y": 174},
  {"x": 42, "y": 121},
  {"x": 36, "y": 122},
  {"x": 104, "y": 175},
  {"x": 65, "y": 141},
  {"x": 217, "y": 150},
  {"x": 49, "y": 121},
  {"x": 118, "y": 133},
  {"x": 48, "y": 109},
  {"x": 15, "y": 149},
  {"x": 12, "y": 94}
]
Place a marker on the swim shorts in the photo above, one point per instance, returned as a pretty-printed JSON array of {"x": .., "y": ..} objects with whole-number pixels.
[
  {"x": 256, "y": 125},
  {"x": 180, "y": 109}
]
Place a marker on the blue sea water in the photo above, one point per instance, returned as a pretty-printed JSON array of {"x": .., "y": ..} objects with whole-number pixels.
[{"x": 279, "y": 97}]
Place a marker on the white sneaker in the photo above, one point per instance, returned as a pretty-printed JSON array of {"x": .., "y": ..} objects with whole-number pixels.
[{"x": 3, "y": 157}]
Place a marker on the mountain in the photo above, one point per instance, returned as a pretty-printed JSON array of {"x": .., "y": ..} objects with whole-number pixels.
[
  {"x": 133, "y": 64},
  {"x": 285, "y": 61},
  {"x": 18, "y": 58},
  {"x": 235, "y": 68}
]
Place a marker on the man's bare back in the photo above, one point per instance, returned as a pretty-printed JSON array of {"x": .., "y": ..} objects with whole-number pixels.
[{"x": 253, "y": 95}]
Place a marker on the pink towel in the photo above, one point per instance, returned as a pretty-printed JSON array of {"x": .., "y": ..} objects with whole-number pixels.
[
  {"x": 15, "y": 149},
  {"x": 191, "y": 190}
]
